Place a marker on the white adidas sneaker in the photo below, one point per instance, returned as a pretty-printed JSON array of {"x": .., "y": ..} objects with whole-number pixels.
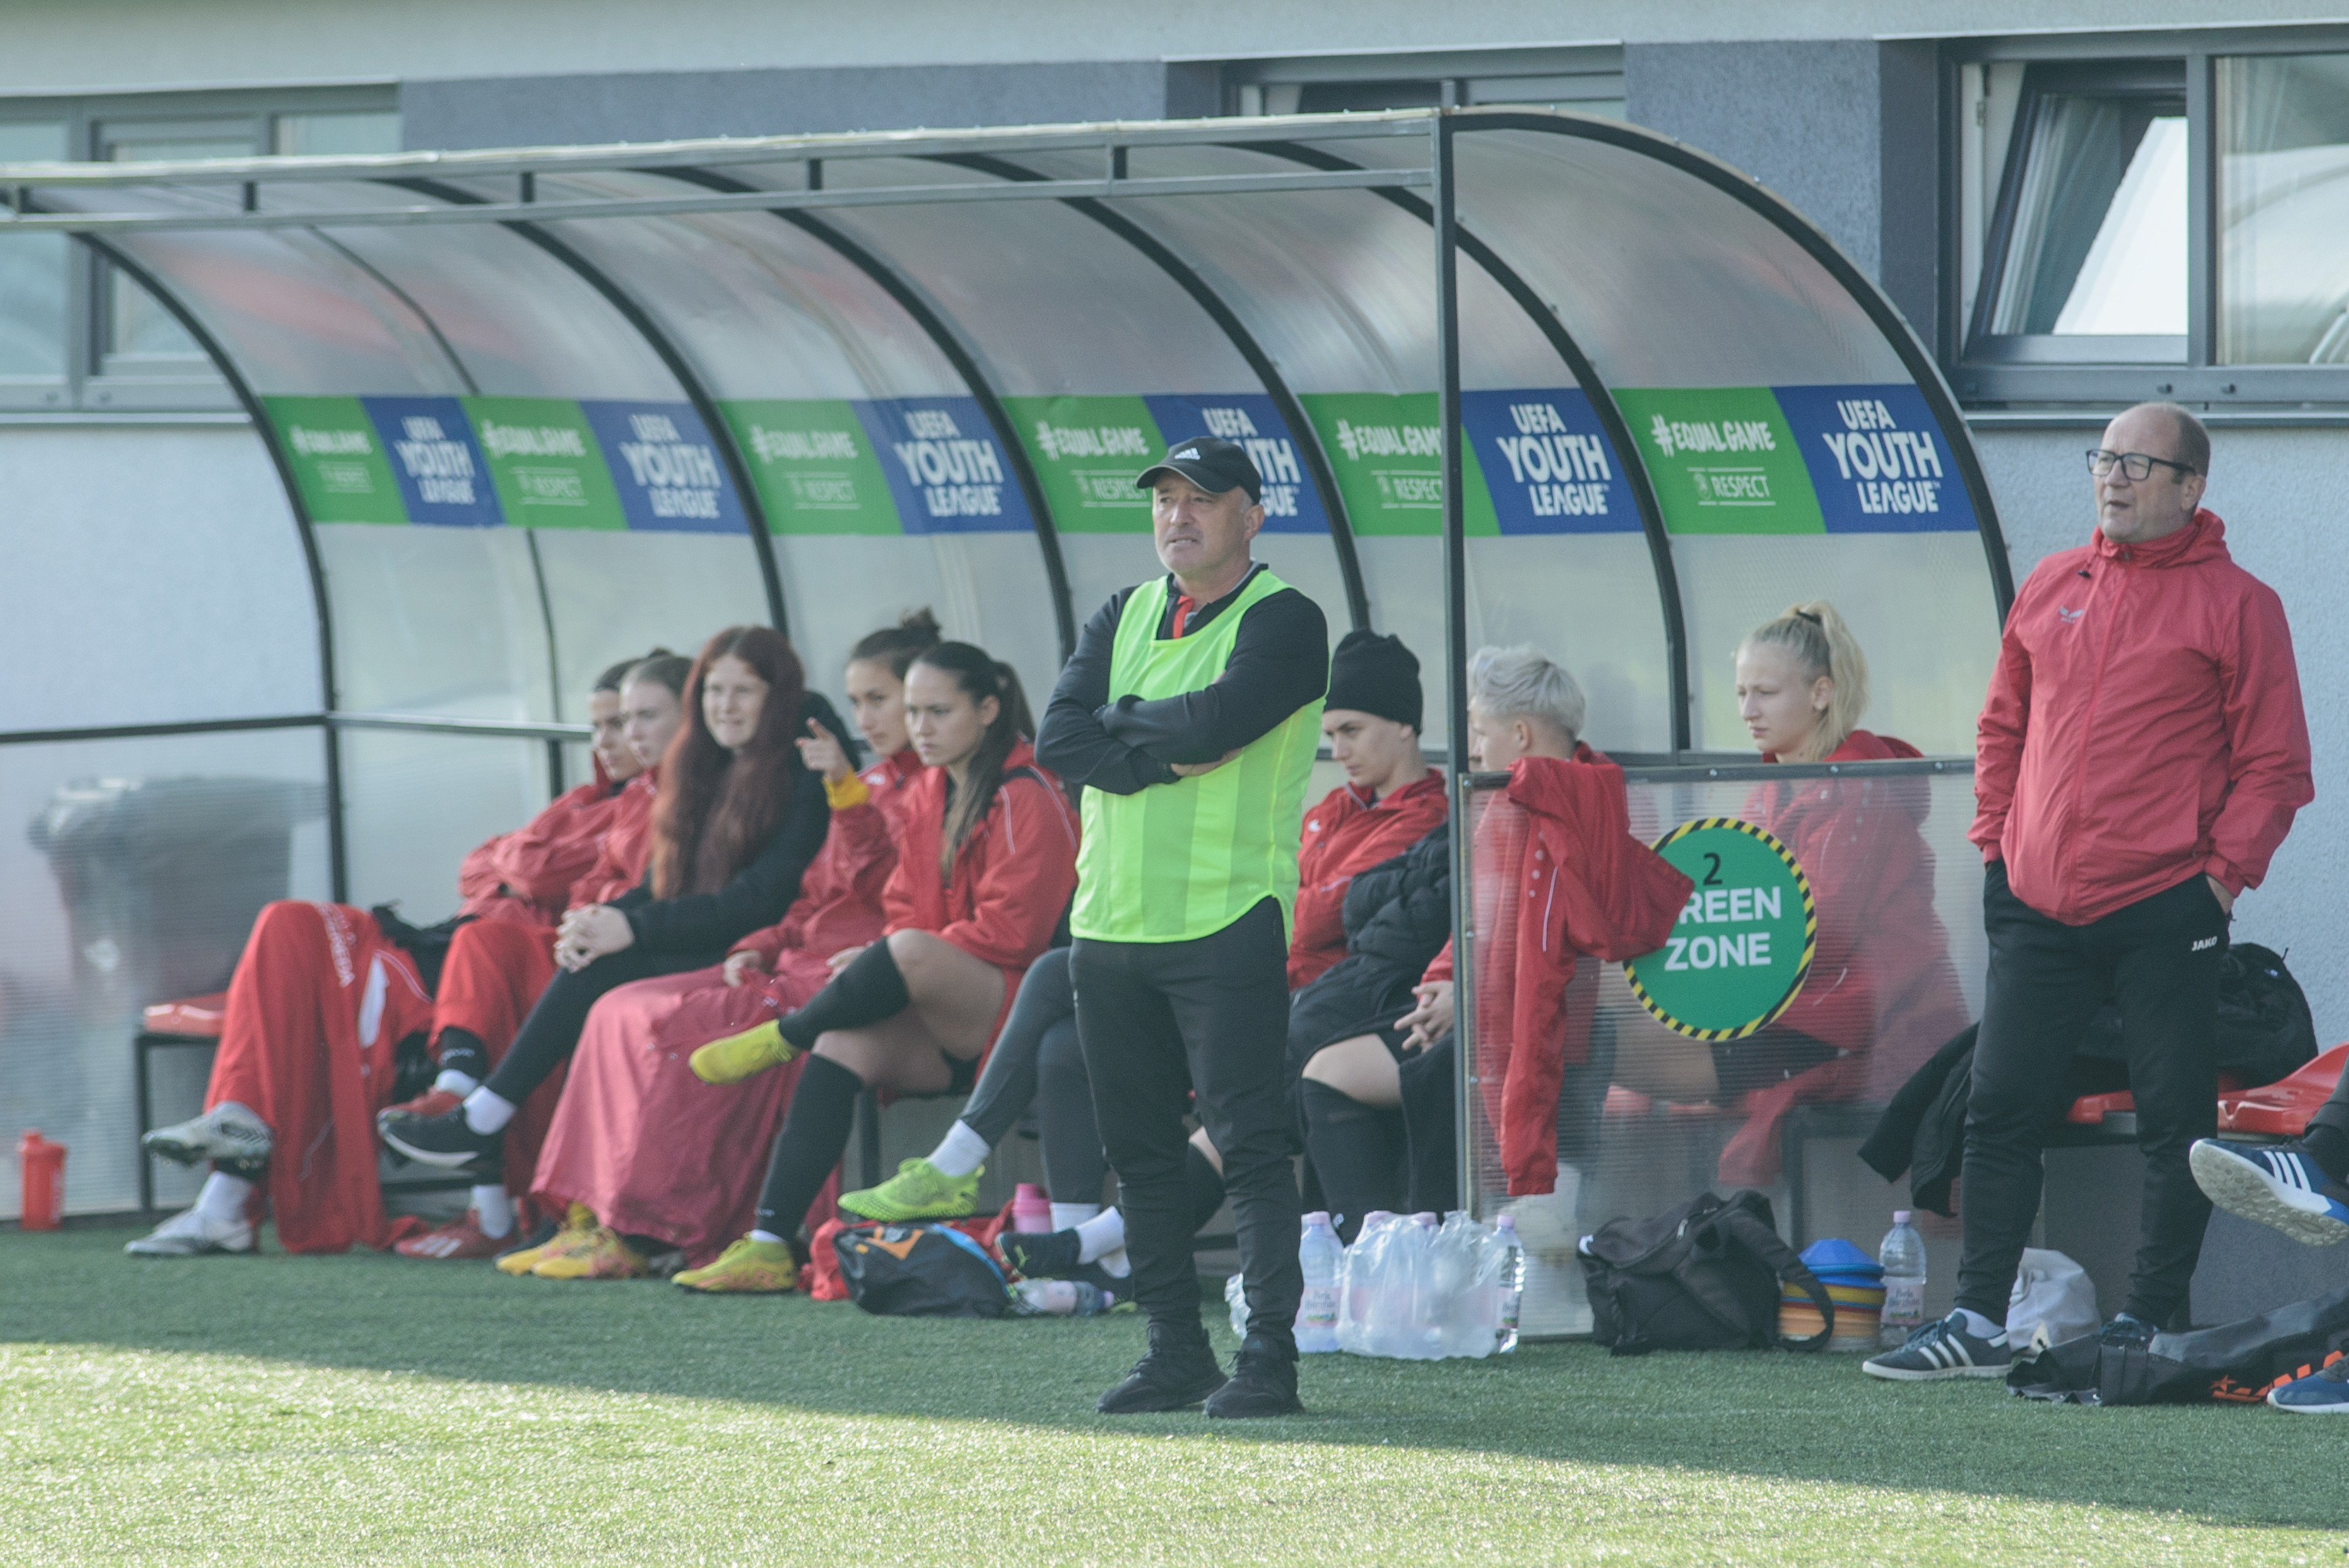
[
  {"x": 227, "y": 1131},
  {"x": 193, "y": 1234}
]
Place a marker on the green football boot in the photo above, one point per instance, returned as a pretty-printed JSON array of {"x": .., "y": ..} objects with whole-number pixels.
[{"x": 919, "y": 1191}]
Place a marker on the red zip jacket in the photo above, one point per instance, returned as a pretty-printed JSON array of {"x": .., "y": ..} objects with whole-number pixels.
[
  {"x": 1558, "y": 878},
  {"x": 525, "y": 875},
  {"x": 2144, "y": 725},
  {"x": 625, "y": 845},
  {"x": 1343, "y": 836},
  {"x": 839, "y": 906},
  {"x": 1013, "y": 877}
]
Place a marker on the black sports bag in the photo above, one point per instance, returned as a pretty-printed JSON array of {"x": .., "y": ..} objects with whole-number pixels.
[
  {"x": 1703, "y": 1277},
  {"x": 919, "y": 1270},
  {"x": 2233, "y": 1364}
]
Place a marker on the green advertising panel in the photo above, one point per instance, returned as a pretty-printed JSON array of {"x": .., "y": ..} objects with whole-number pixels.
[
  {"x": 545, "y": 463},
  {"x": 338, "y": 459},
  {"x": 813, "y": 465},
  {"x": 1723, "y": 461},
  {"x": 1739, "y": 952},
  {"x": 1386, "y": 451},
  {"x": 1086, "y": 452}
]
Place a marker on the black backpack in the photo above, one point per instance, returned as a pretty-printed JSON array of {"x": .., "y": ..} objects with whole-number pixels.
[
  {"x": 1703, "y": 1277},
  {"x": 919, "y": 1270}
]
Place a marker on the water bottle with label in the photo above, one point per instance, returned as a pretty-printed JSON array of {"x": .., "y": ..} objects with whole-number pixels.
[
  {"x": 1059, "y": 1298},
  {"x": 1903, "y": 1257},
  {"x": 1512, "y": 1283},
  {"x": 1320, "y": 1254}
]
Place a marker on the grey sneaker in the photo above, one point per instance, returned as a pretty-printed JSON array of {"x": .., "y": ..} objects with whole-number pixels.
[
  {"x": 190, "y": 1235},
  {"x": 1944, "y": 1348},
  {"x": 228, "y": 1132}
]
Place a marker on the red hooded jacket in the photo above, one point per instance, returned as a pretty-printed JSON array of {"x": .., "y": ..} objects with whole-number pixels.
[
  {"x": 839, "y": 906},
  {"x": 1559, "y": 877},
  {"x": 1013, "y": 877},
  {"x": 2144, "y": 725},
  {"x": 1343, "y": 836},
  {"x": 526, "y": 875},
  {"x": 624, "y": 850}
]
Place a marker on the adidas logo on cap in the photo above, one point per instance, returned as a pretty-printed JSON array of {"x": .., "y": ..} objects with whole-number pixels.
[{"x": 1188, "y": 454}]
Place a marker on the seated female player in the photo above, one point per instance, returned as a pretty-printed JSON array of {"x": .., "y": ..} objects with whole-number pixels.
[
  {"x": 493, "y": 972},
  {"x": 985, "y": 870},
  {"x": 318, "y": 1006},
  {"x": 1881, "y": 994},
  {"x": 738, "y": 820},
  {"x": 1389, "y": 800},
  {"x": 1558, "y": 833},
  {"x": 653, "y": 1163}
]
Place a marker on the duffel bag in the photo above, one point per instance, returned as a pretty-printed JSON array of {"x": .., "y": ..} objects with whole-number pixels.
[
  {"x": 919, "y": 1270},
  {"x": 2233, "y": 1364},
  {"x": 1703, "y": 1277}
]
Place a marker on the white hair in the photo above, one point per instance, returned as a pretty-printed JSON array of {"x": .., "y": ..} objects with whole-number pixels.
[{"x": 1524, "y": 683}]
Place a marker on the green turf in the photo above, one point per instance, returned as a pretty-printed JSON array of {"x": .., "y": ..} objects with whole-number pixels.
[{"x": 366, "y": 1408}]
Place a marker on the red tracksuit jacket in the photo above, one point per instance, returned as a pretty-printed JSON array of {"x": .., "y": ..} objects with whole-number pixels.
[
  {"x": 1012, "y": 878},
  {"x": 526, "y": 875},
  {"x": 839, "y": 906},
  {"x": 1342, "y": 836}
]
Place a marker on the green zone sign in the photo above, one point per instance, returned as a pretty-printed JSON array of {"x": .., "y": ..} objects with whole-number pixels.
[{"x": 1738, "y": 953}]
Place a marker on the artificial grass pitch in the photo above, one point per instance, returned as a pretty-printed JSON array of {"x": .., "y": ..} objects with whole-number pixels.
[{"x": 367, "y": 1408}]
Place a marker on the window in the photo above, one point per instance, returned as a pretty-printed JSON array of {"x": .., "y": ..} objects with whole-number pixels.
[
  {"x": 78, "y": 333},
  {"x": 1588, "y": 79},
  {"x": 2159, "y": 227}
]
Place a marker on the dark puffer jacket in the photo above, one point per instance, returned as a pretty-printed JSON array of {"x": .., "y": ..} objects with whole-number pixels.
[{"x": 1398, "y": 917}]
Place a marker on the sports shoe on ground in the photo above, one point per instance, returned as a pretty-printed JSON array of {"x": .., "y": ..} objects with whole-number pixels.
[
  {"x": 919, "y": 1191},
  {"x": 2126, "y": 1328},
  {"x": 747, "y": 1267},
  {"x": 2276, "y": 1184},
  {"x": 432, "y": 1102},
  {"x": 1042, "y": 1254},
  {"x": 1179, "y": 1372},
  {"x": 459, "y": 1238},
  {"x": 227, "y": 1131},
  {"x": 1944, "y": 1348},
  {"x": 742, "y": 1056},
  {"x": 2324, "y": 1393},
  {"x": 190, "y": 1236},
  {"x": 602, "y": 1255},
  {"x": 1263, "y": 1382},
  {"x": 578, "y": 1230},
  {"x": 446, "y": 1140}
]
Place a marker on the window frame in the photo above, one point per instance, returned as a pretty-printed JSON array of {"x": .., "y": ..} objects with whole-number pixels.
[
  {"x": 1272, "y": 83},
  {"x": 1988, "y": 372},
  {"x": 159, "y": 385}
]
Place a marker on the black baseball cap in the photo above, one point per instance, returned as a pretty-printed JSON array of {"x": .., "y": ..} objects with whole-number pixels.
[{"x": 1215, "y": 465}]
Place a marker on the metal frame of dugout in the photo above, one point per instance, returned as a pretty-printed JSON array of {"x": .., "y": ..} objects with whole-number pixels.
[{"x": 1550, "y": 198}]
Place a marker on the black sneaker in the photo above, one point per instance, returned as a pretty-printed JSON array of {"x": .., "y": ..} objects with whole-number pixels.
[
  {"x": 1042, "y": 1254},
  {"x": 537, "y": 1238},
  {"x": 445, "y": 1140},
  {"x": 1946, "y": 1348},
  {"x": 1179, "y": 1372},
  {"x": 1263, "y": 1382},
  {"x": 2126, "y": 1328}
]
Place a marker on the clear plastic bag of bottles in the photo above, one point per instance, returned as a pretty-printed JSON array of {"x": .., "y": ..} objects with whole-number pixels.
[{"x": 1416, "y": 1290}]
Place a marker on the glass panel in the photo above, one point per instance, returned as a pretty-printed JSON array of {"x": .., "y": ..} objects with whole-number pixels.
[
  {"x": 414, "y": 804},
  {"x": 441, "y": 621},
  {"x": 2097, "y": 246},
  {"x": 2283, "y": 150},
  {"x": 131, "y": 873},
  {"x": 1653, "y": 1118},
  {"x": 32, "y": 271},
  {"x": 337, "y": 134},
  {"x": 136, "y": 324},
  {"x": 616, "y": 595}
]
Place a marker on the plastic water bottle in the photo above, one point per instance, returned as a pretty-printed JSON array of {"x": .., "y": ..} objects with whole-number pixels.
[
  {"x": 1903, "y": 1257},
  {"x": 1512, "y": 1283},
  {"x": 1236, "y": 1303},
  {"x": 1030, "y": 1209},
  {"x": 1059, "y": 1298},
  {"x": 1320, "y": 1254}
]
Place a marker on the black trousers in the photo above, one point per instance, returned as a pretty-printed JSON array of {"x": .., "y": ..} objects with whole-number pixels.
[
  {"x": 551, "y": 1033},
  {"x": 1160, "y": 1021},
  {"x": 1037, "y": 1059},
  {"x": 2158, "y": 959}
]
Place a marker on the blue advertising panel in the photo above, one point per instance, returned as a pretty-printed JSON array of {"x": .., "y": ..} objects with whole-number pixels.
[
  {"x": 1877, "y": 460},
  {"x": 1546, "y": 464},
  {"x": 666, "y": 467},
  {"x": 442, "y": 476},
  {"x": 946, "y": 470},
  {"x": 1291, "y": 504}
]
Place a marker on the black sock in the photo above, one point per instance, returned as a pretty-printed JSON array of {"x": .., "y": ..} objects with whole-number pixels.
[
  {"x": 2329, "y": 1147},
  {"x": 1358, "y": 1150},
  {"x": 461, "y": 1051},
  {"x": 1206, "y": 1183},
  {"x": 869, "y": 990},
  {"x": 815, "y": 1132}
]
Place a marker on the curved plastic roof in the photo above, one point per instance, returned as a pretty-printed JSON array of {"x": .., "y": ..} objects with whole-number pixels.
[{"x": 537, "y": 410}]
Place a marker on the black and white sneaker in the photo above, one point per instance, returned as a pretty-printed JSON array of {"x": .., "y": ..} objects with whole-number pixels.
[
  {"x": 1943, "y": 1349},
  {"x": 446, "y": 1140}
]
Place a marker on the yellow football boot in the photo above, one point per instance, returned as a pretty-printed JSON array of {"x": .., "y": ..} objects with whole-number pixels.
[
  {"x": 578, "y": 1227},
  {"x": 743, "y": 1055},
  {"x": 747, "y": 1267}
]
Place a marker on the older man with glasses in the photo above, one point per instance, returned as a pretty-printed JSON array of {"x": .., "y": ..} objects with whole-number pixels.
[{"x": 2139, "y": 759}]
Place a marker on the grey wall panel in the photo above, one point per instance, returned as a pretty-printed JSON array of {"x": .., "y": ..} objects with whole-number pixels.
[
  {"x": 2274, "y": 488},
  {"x": 153, "y": 575}
]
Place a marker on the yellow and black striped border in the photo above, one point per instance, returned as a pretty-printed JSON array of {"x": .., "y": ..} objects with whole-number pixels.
[{"x": 1810, "y": 933}]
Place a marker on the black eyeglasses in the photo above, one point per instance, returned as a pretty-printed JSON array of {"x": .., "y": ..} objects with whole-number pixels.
[{"x": 2136, "y": 465}]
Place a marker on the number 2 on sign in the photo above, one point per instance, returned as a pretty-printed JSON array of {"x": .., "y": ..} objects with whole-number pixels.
[{"x": 1712, "y": 871}]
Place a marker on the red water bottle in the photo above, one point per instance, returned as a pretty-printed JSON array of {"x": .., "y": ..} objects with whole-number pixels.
[{"x": 43, "y": 1166}]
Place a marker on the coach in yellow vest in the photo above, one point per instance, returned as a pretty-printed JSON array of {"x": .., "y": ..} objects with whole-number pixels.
[{"x": 1190, "y": 715}]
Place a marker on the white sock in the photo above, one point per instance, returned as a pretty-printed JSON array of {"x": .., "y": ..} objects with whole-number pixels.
[
  {"x": 451, "y": 1081},
  {"x": 495, "y": 1209},
  {"x": 1068, "y": 1216},
  {"x": 765, "y": 1236},
  {"x": 222, "y": 1199},
  {"x": 1102, "y": 1235},
  {"x": 1981, "y": 1328},
  {"x": 960, "y": 1152},
  {"x": 487, "y": 1112},
  {"x": 1115, "y": 1265}
]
